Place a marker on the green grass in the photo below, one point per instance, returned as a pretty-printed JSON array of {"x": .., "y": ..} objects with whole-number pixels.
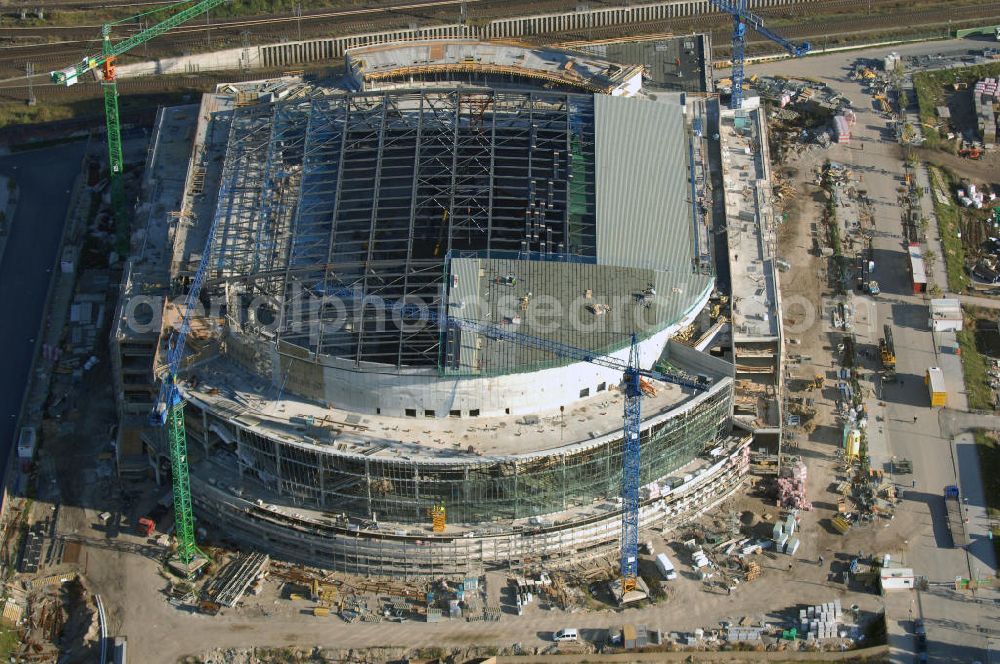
[
  {"x": 18, "y": 112},
  {"x": 974, "y": 368},
  {"x": 9, "y": 643},
  {"x": 949, "y": 227},
  {"x": 932, "y": 88}
]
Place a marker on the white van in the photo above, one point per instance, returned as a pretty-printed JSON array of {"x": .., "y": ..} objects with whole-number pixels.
[
  {"x": 666, "y": 567},
  {"x": 565, "y": 634}
]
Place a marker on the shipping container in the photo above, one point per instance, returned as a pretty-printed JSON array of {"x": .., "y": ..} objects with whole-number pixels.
[{"x": 934, "y": 378}]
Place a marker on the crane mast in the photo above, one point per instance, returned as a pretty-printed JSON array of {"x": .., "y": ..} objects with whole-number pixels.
[
  {"x": 743, "y": 18},
  {"x": 630, "y": 472},
  {"x": 632, "y": 426},
  {"x": 169, "y": 408}
]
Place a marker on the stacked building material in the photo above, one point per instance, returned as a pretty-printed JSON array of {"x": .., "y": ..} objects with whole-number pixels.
[
  {"x": 744, "y": 634},
  {"x": 841, "y": 129},
  {"x": 984, "y": 98},
  {"x": 821, "y": 621},
  {"x": 970, "y": 196},
  {"x": 792, "y": 487}
]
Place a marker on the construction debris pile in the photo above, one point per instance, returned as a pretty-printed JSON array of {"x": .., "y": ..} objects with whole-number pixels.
[
  {"x": 877, "y": 84},
  {"x": 809, "y": 95},
  {"x": 863, "y": 492},
  {"x": 792, "y": 487},
  {"x": 54, "y": 617},
  {"x": 354, "y": 600},
  {"x": 267, "y": 91},
  {"x": 806, "y": 115}
]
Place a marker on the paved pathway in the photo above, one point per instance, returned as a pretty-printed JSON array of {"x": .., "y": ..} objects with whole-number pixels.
[
  {"x": 988, "y": 302},
  {"x": 954, "y": 422}
]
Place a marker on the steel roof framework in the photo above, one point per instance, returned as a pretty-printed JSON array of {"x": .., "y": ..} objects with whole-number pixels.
[{"x": 351, "y": 203}]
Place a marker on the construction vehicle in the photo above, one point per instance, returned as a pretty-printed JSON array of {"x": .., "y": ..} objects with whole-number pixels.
[
  {"x": 145, "y": 527},
  {"x": 887, "y": 350},
  {"x": 743, "y": 18},
  {"x": 817, "y": 382},
  {"x": 934, "y": 379},
  {"x": 873, "y": 288},
  {"x": 105, "y": 63},
  {"x": 954, "y": 517},
  {"x": 840, "y": 524}
]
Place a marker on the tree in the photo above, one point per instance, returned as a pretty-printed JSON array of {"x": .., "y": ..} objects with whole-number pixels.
[{"x": 930, "y": 257}]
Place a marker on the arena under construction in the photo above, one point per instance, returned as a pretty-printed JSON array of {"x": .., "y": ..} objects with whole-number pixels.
[{"x": 344, "y": 392}]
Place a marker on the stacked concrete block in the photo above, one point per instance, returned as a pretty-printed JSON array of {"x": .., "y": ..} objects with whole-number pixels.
[
  {"x": 821, "y": 621},
  {"x": 984, "y": 99}
]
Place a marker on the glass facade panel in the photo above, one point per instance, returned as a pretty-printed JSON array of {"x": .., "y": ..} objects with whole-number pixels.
[{"x": 478, "y": 491}]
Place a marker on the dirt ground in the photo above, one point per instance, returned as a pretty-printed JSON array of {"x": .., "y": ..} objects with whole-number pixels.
[
  {"x": 982, "y": 170},
  {"x": 133, "y": 584}
]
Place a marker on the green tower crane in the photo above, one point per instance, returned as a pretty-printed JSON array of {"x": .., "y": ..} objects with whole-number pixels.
[
  {"x": 106, "y": 63},
  {"x": 169, "y": 409}
]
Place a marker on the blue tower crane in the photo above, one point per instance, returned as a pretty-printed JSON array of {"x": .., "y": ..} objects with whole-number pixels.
[
  {"x": 630, "y": 471},
  {"x": 742, "y": 19},
  {"x": 631, "y": 373}
]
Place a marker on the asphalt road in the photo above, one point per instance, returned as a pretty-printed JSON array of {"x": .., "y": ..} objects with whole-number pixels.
[{"x": 45, "y": 178}]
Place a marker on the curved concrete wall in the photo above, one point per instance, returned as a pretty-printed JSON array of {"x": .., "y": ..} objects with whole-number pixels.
[{"x": 377, "y": 389}]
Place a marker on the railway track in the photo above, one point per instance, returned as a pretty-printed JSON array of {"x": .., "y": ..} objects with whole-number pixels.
[
  {"x": 833, "y": 25},
  {"x": 840, "y": 17}
]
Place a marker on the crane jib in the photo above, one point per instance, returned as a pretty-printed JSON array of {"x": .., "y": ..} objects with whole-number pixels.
[{"x": 71, "y": 74}]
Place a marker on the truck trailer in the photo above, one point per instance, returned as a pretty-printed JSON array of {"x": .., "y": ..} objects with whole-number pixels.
[
  {"x": 887, "y": 349},
  {"x": 934, "y": 378},
  {"x": 953, "y": 513}
]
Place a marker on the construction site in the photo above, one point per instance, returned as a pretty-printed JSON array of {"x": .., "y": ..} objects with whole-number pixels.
[
  {"x": 340, "y": 401},
  {"x": 466, "y": 346}
]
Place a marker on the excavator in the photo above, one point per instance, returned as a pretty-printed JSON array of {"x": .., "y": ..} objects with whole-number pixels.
[{"x": 972, "y": 152}]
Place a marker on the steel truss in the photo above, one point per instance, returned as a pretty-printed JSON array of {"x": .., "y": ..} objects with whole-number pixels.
[{"x": 348, "y": 206}]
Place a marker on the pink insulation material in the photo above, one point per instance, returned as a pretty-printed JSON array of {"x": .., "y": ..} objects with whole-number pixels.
[{"x": 792, "y": 487}]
